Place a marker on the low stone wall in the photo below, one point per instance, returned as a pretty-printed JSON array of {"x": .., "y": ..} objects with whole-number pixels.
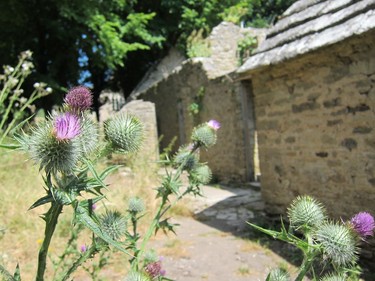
[{"x": 316, "y": 128}]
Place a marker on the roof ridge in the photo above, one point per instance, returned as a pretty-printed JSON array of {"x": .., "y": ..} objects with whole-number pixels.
[
  {"x": 365, "y": 8},
  {"x": 305, "y": 15}
]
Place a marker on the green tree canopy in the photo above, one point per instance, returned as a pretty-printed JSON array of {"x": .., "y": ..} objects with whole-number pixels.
[
  {"x": 69, "y": 38},
  {"x": 111, "y": 42}
]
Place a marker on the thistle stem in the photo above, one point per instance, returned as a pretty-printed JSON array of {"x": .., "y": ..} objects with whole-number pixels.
[
  {"x": 305, "y": 267},
  {"x": 162, "y": 210},
  {"x": 51, "y": 219},
  {"x": 134, "y": 241},
  {"x": 151, "y": 230},
  {"x": 86, "y": 255},
  {"x": 308, "y": 259}
]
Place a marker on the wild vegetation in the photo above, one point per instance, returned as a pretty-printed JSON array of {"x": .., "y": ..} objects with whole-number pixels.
[
  {"x": 65, "y": 176},
  {"x": 112, "y": 43},
  {"x": 66, "y": 146}
]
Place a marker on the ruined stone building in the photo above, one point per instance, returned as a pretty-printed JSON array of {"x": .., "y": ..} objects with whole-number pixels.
[
  {"x": 308, "y": 91},
  {"x": 176, "y": 84},
  {"x": 313, "y": 82}
]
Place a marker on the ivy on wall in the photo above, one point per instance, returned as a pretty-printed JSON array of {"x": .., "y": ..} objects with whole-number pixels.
[{"x": 245, "y": 47}]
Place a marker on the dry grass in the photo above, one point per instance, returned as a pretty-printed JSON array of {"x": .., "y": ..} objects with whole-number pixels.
[
  {"x": 21, "y": 231},
  {"x": 175, "y": 248},
  {"x": 249, "y": 246}
]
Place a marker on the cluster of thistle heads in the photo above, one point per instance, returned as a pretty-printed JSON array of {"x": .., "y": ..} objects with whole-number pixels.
[
  {"x": 116, "y": 225},
  {"x": 60, "y": 142},
  {"x": 336, "y": 241},
  {"x": 66, "y": 137}
]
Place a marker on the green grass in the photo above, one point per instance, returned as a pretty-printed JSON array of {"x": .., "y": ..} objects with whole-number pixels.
[
  {"x": 243, "y": 270},
  {"x": 22, "y": 231}
]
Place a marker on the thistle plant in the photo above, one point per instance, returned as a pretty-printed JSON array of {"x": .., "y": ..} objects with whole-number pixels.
[
  {"x": 66, "y": 146},
  {"x": 146, "y": 266},
  {"x": 14, "y": 103},
  {"x": 331, "y": 244}
]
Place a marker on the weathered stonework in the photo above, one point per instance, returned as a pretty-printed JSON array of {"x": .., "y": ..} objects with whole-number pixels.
[
  {"x": 221, "y": 101},
  {"x": 316, "y": 127},
  {"x": 209, "y": 82}
]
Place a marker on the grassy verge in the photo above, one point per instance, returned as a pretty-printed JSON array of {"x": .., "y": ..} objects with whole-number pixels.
[{"x": 21, "y": 231}]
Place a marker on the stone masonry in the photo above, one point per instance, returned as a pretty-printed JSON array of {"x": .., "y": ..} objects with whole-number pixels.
[
  {"x": 316, "y": 127},
  {"x": 208, "y": 82},
  {"x": 220, "y": 101}
]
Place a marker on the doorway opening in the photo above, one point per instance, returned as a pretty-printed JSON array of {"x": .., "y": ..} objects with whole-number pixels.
[{"x": 250, "y": 134}]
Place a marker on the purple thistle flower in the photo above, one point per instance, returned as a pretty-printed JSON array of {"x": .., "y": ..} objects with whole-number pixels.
[
  {"x": 363, "y": 223},
  {"x": 154, "y": 269},
  {"x": 83, "y": 248},
  {"x": 79, "y": 98},
  {"x": 214, "y": 124},
  {"x": 67, "y": 126}
]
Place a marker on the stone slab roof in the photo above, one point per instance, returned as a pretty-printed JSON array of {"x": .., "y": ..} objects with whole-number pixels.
[{"x": 309, "y": 25}]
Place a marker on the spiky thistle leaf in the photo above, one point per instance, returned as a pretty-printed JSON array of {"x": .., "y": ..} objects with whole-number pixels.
[
  {"x": 338, "y": 243},
  {"x": 124, "y": 133},
  {"x": 305, "y": 213}
]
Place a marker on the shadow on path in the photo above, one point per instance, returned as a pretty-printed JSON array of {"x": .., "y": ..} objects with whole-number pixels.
[{"x": 230, "y": 208}]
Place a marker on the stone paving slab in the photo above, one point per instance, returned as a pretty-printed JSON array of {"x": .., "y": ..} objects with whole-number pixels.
[{"x": 209, "y": 246}]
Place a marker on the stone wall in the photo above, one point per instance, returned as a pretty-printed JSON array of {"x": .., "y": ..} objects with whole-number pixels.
[
  {"x": 316, "y": 128},
  {"x": 221, "y": 101}
]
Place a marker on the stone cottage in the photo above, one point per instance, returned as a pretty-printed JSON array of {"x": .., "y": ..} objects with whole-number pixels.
[
  {"x": 189, "y": 92},
  {"x": 313, "y": 82}
]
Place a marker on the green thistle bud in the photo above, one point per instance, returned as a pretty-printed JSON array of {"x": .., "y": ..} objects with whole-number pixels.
[
  {"x": 185, "y": 158},
  {"x": 136, "y": 205},
  {"x": 136, "y": 276},
  {"x": 278, "y": 274},
  {"x": 89, "y": 135},
  {"x": 124, "y": 133},
  {"x": 204, "y": 135},
  {"x": 330, "y": 277},
  {"x": 151, "y": 256},
  {"x": 114, "y": 224},
  {"x": 202, "y": 174},
  {"x": 305, "y": 213},
  {"x": 338, "y": 243},
  {"x": 51, "y": 154}
]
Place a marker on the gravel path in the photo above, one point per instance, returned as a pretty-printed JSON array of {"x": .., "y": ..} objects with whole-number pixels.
[{"x": 209, "y": 247}]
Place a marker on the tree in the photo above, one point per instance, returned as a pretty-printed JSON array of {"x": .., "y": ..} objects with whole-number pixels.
[
  {"x": 112, "y": 43},
  {"x": 70, "y": 38},
  {"x": 175, "y": 20}
]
